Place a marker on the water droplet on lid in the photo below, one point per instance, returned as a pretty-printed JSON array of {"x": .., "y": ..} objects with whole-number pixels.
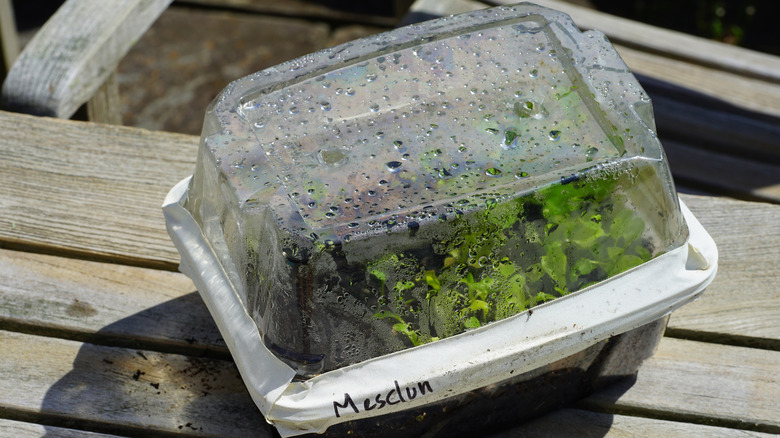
[
  {"x": 371, "y": 193},
  {"x": 325, "y": 106},
  {"x": 332, "y": 157},
  {"x": 380, "y": 134},
  {"x": 492, "y": 171},
  {"x": 521, "y": 175},
  {"x": 399, "y": 146},
  {"x": 493, "y": 131},
  {"x": 350, "y": 91},
  {"x": 533, "y": 73},
  {"x": 371, "y": 77},
  {"x": 394, "y": 166},
  {"x": 555, "y": 135},
  {"x": 510, "y": 139}
]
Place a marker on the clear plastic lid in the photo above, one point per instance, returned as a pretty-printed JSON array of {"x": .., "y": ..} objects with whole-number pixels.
[{"x": 429, "y": 180}]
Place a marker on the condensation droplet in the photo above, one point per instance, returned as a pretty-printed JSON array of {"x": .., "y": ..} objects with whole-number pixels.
[
  {"x": 492, "y": 171},
  {"x": 394, "y": 166}
]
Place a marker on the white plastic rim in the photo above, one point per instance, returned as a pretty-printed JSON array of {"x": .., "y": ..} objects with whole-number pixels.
[{"x": 432, "y": 372}]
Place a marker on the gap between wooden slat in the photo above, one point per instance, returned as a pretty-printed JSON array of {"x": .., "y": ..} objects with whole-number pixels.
[{"x": 724, "y": 338}]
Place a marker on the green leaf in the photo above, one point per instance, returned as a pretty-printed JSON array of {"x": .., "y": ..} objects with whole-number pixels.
[
  {"x": 378, "y": 274},
  {"x": 554, "y": 264},
  {"x": 472, "y": 322},
  {"x": 382, "y": 314},
  {"x": 542, "y": 297},
  {"x": 432, "y": 280},
  {"x": 401, "y": 286},
  {"x": 477, "y": 305},
  {"x": 583, "y": 266},
  {"x": 586, "y": 233},
  {"x": 413, "y": 336}
]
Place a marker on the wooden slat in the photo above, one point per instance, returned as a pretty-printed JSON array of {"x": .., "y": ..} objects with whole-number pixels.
[
  {"x": 104, "y": 106},
  {"x": 19, "y": 429},
  {"x": 105, "y": 303},
  {"x": 723, "y": 173},
  {"x": 9, "y": 38},
  {"x": 304, "y": 8},
  {"x": 117, "y": 390},
  {"x": 45, "y": 165},
  {"x": 744, "y": 299},
  {"x": 123, "y": 391},
  {"x": 670, "y": 44},
  {"x": 710, "y": 83},
  {"x": 587, "y": 424},
  {"x": 702, "y": 383},
  {"x": 91, "y": 190},
  {"x": 74, "y": 53}
]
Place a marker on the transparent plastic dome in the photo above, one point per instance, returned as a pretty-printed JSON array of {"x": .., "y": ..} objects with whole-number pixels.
[{"x": 414, "y": 185}]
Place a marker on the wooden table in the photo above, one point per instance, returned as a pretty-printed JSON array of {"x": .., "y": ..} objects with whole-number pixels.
[{"x": 99, "y": 335}]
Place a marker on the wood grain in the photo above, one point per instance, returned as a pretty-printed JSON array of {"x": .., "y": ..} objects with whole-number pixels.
[
  {"x": 588, "y": 424},
  {"x": 106, "y": 304},
  {"x": 74, "y": 53},
  {"x": 9, "y": 39},
  {"x": 123, "y": 391},
  {"x": 89, "y": 190},
  {"x": 670, "y": 44},
  {"x": 46, "y": 166},
  {"x": 116, "y": 390},
  {"x": 743, "y": 299},
  {"x": 700, "y": 382},
  {"x": 20, "y": 429}
]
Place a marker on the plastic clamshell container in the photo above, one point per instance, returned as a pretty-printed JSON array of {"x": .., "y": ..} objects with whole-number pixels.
[{"x": 385, "y": 226}]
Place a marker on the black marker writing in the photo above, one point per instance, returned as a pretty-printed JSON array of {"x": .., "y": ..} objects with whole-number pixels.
[{"x": 392, "y": 397}]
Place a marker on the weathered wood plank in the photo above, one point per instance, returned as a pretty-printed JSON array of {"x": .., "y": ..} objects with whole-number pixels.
[
  {"x": 108, "y": 389},
  {"x": 670, "y": 44},
  {"x": 103, "y": 107},
  {"x": 727, "y": 87},
  {"x": 743, "y": 300},
  {"x": 704, "y": 383},
  {"x": 9, "y": 38},
  {"x": 724, "y": 173},
  {"x": 123, "y": 391},
  {"x": 74, "y": 53},
  {"x": 587, "y": 424},
  {"x": 317, "y": 10},
  {"x": 19, "y": 429},
  {"x": 105, "y": 304},
  {"x": 91, "y": 190},
  {"x": 46, "y": 166}
]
